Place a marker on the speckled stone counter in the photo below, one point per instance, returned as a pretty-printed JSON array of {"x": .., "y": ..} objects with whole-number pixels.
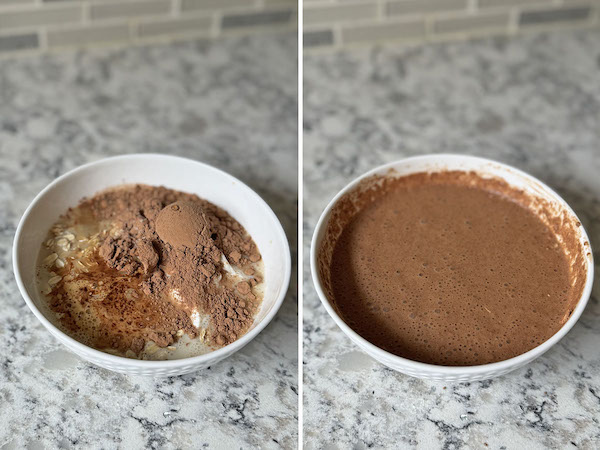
[
  {"x": 532, "y": 102},
  {"x": 230, "y": 103}
]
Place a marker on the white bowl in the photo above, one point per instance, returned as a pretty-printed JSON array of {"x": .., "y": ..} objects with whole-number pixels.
[
  {"x": 432, "y": 163},
  {"x": 176, "y": 173}
]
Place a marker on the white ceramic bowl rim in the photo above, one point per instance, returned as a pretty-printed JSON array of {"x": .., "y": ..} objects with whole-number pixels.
[
  {"x": 425, "y": 367},
  {"x": 137, "y": 363}
]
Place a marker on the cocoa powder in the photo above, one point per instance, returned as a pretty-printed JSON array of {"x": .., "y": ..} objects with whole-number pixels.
[{"x": 163, "y": 259}]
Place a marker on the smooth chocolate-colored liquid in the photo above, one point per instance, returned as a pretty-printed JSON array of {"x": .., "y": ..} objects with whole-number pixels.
[{"x": 445, "y": 272}]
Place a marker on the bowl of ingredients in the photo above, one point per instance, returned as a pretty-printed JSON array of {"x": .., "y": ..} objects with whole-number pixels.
[
  {"x": 451, "y": 267},
  {"x": 151, "y": 264}
]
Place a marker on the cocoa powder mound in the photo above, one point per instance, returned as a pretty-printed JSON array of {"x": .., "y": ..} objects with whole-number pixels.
[
  {"x": 183, "y": 224},
  {"x": 168, "y": 247}
]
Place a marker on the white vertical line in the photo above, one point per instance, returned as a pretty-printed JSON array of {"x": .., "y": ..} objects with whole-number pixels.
[
  {"x": 43, "y": 39},
  {"x": 217, "y": 18},
  {"x": 513, "y": 21},
  {"x": 336, "y": 29},
  {"x": 381, "y": 11},
  {"x": 300, "y": 221},
  {"x": 428, "y": 28},
  {"x": 175, "y": 7},
  {"x": 86, "y": 14}
]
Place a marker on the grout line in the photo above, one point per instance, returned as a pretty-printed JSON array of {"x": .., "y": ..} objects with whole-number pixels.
[
  {"x": 428, "y": 28},
  {"x": 43, "y": 39},
  {"x": 86, "y": 15},
  {"x": 337, "y": 35},
  {"x": 217, "y": 19},
  {"x": 175, "y": 8},
  {"x": 513, "y": 21},
  {"x": 381, "y": 10},
  {"x": 133, "y": 31}
]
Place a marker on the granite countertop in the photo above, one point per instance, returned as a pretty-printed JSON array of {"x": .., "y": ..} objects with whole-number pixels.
[
  {"x": 230, "y": 103},
  {"x": 532, "y": 102}
]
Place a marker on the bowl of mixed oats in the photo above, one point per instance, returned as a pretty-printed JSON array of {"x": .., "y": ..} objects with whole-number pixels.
[{"x": 151, "y": 264}]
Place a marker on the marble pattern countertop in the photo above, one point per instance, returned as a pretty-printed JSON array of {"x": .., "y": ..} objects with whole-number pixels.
[
  {"x": 532, "y": 102},
  {"x": 231, "y": 103}
]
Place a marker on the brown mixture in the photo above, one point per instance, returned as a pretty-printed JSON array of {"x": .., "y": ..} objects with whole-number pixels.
[
  {"x": 160, "y": 261},
  {"x": 450, "y": 268}
]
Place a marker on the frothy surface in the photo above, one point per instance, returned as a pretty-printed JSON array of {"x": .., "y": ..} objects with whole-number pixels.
[{"x": 445, "y": 271}]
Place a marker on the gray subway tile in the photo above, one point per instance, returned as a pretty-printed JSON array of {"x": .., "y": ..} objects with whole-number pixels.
[
  {"x": 383, "y": 32},
  {"x": 500, "y": 3},
  {"x": 291, "y": 3},
  {"x": 194, "y": 5},
  {"x": 129, "y": 9},
  {"x": 200, "y": 25},
  {"x": 479, "y": 22},
  {"x": 326, "y": 14},
  {"x": 317, "y": 38},
  {"x": 19, "y": 42},
  {"x": 81, "y": 36},
  {"x": 16, "y": 2},
  {"x": 256, "y": 19},
  {"x": 404, "y": 7},
  {"x": 554, "y": 15},
  {"x": 40, "y": 16}
]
